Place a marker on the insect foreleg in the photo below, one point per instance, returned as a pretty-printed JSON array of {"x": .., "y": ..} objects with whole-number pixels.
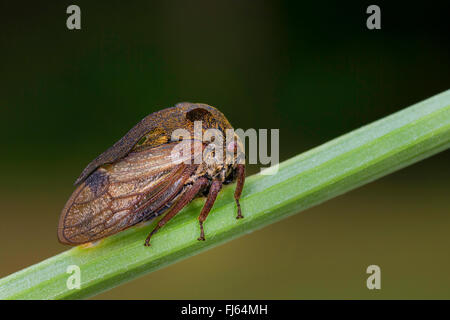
[
  {"x": 212, "y": 195},
  {"x": 240, "y": 184},
  {"x": 184, "y": 200}
]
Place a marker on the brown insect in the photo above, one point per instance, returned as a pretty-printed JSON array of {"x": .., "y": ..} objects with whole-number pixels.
[{"x": 143, "y": 176}]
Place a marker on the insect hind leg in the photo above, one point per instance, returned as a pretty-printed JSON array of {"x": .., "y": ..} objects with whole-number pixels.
[
  {"x": 212, "y": 195},
  {"x": 180, "y": 204},
  {"x": 239, "y": 186}
]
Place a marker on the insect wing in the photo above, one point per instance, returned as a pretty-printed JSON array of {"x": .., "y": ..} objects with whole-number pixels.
[{"x": 119, "y": 195}]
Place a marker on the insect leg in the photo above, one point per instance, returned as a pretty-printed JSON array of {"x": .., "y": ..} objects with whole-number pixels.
[
  {"x": 240, "y": 184},
  {"x": 212, "y": 195},
  {"x": 185, "y": 199}
]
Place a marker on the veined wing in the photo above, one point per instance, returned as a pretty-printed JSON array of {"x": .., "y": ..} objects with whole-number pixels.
[{"x": 119, "y": 195}]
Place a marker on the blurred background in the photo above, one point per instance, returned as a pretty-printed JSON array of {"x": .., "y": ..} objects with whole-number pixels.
[{"x": 311, "y": 69}]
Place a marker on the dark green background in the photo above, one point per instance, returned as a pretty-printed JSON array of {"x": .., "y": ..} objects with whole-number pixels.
[{"x": 311, "y": 69}]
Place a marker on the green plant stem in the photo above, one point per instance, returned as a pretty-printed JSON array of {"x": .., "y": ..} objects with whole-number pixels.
[{"x": 308, "y": 179}]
